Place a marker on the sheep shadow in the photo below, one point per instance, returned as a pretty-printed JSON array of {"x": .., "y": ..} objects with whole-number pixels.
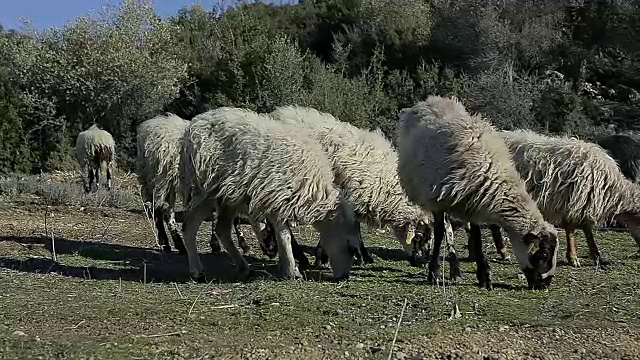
[{"x": 130, "y": 263}]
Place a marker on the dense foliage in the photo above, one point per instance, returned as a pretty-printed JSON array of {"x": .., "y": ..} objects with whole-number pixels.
[{"x": 558, "y": 67}]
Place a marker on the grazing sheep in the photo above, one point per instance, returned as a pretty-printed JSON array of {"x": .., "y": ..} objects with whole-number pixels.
[
  {"x": 576, "y": 184},
  {"x": 365, "y": 168},
  {"x": 453, "y": 162},
  {"x": 95, "y": 150},
  {"x": 235, "y": 159},
  {"x": 158, "y": 157}
]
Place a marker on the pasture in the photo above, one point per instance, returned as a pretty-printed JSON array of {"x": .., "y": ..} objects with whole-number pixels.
[{"x": 110, "y": 293}]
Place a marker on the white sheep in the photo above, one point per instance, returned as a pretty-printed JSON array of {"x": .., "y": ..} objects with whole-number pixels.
[
  {"x": 95, "y": 151},
  {"x": 576, "y": 184},
  {"x": 237, "y": 160},
  {"x": 365, "y": 168},
  {"x": 453, "y": 162},
  {"x": 159, "y": 143}
]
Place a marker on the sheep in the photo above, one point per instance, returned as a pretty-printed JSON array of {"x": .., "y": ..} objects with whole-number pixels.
[
  {"x": 237, "y": 160},
  {"x": 365, "y": 168},
  {"x": 158, "y": 156},
  {"x": 576, "y": 184},
  {"x": 95, "y": 150},
  {"x": 453, "y": 162}
]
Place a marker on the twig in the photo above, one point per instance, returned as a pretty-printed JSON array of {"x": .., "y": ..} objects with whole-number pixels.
[
  {"x": 76, "y": 325},
  {"x": 225, "y": 306},
  {"x": 53, "y": 248},
  {"x": 144, "y": 272},
  {"x": 167, "y": 334},
  {"x": 198, "y": 297},
  {"x": 178, "y": 289},
  {"x": 395, "y": 336}
]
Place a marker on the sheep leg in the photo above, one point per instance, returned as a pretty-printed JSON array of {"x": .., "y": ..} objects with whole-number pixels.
[
  {"x": 163, "y": 239},
  {"x": 214, "y": 242},
  {"x": 108, "y": 177},
  {"x": 298, "y": 254},
  {"x": 364, "y": 253},
  {"x": 572, "y": 252},
  {"x": 498, "y": 241},
  {"x": 321, "y": 256},
  {"x": 174, "y": 231},
  {"x": 438, "y": 233},
  {"x": 224, "y": 223},
  {"x": 192, "y": 221},
  {"x": 97, "y": 170},
  {"x": 170, "y": 219},
  {"x": 483, "y": 270},
  {"x": 288, "y": 268},
  {"x": 454, "y": 265},
  {"x": 267, "y": 239},
  {"x": 242, "y": 242},
  {"x": 87, "y": 186},
  {"x": 593, "y": 248}
]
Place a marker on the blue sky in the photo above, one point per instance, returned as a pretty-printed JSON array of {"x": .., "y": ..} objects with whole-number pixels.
[{"x": 55, "y": 13}]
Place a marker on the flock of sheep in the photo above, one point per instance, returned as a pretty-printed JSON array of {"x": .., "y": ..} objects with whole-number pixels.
[{"x": 299, "y": 165}]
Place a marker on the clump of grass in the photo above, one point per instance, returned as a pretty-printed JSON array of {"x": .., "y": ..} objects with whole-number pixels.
[{"x": 62, "y": 189}]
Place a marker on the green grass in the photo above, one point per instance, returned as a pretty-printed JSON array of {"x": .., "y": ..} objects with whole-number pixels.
[{"x": 93, "y": 302}]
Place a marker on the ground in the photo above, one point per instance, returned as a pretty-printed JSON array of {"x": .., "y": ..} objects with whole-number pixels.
[{"x": 112, "y": 294}]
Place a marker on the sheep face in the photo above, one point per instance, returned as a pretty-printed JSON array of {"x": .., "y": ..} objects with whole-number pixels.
[
  {"x": 339, "y": 238},
  {"x": 414, "y": 240},
  {"x": 537, "y": 254}
]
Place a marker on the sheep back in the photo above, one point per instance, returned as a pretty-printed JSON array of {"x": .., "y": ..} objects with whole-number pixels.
[
  {"x": 240, "y": 157},
  {"x": 569, "y": 178},
  {"x": 364, "y": 163},
  {"x": 95, "y": 146}
]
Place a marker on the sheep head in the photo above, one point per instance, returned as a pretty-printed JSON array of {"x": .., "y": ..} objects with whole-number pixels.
[{"x": 537, "y": 253}]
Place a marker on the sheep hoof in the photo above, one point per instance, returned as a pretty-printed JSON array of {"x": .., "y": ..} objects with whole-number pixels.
[
  {"x": 244, "y": 274},
  {"x": 484, "y": 280},
  {"x": 290, "y": 274},
  {"x": 199, "y": 278},
  {"x": 455, "y": 274},
  {"x": 342, "y": 278},
  {"x": 166, "y": 249},
  {"x": 368, "y": 259},
  {"x": 357, "y": 261},
  {"x": 503, "y": 254},
  {"x": 573, "y": 261},
  {"x": 215, "y": 248},
  {"x": 434, "y": 274},
  {"x": 602, "y": 262}
]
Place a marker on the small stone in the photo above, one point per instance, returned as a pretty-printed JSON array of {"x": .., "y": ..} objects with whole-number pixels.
[
  {"x": 339, "y": 312},
  {"x": 376, "y": 349},
  {"x": 503, "y": 328},
  {"x": 417, "y": 357},
  {"x": 359, "y": 346},
  {"x": 400, "y": 355},
  {"x": 327, "y": 327},
  {"x": 19, "y": 333}
]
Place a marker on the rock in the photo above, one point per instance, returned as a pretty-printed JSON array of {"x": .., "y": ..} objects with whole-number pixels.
[
  {"x": 327, "y": 327},
  {"x": 359, "y": 346},
  {"x": 19, "y": 333},
  {"x": 376, "y": 349},
  {"x": 400, "y": 355}
]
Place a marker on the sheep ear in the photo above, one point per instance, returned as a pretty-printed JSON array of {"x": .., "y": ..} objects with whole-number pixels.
[
  {"x": 410, "y": 235},
  {"x": 531, "y": 240}
]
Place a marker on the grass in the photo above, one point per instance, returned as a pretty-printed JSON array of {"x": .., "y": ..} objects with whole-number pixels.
[{"x": 94, "y": 301}]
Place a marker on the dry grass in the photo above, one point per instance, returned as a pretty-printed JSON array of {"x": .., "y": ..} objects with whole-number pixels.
[{"x": 94, "y": 303}]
